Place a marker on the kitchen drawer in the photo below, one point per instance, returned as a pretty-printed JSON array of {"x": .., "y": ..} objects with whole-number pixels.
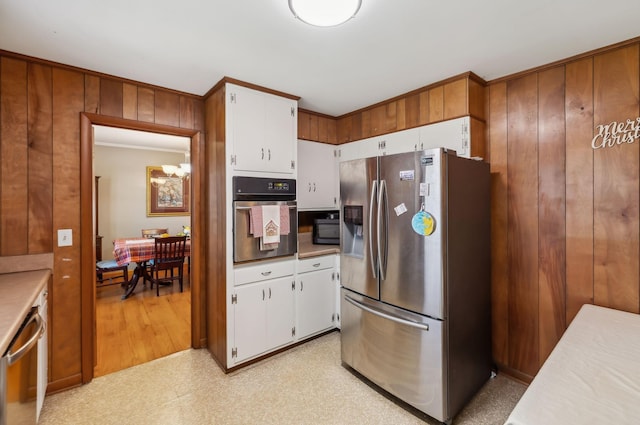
[
  {"x": 263, "y": 271},
  {"x": 316, "y": 263}
]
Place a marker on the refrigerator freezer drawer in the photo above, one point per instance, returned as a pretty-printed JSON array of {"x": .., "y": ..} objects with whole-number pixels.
[{"x": 399, "y": 351}]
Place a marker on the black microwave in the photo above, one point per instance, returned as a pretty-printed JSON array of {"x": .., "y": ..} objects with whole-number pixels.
[{"x": 326, "y": 231}]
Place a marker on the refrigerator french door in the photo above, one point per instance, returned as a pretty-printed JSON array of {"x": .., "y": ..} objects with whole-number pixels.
[{"x": 416, "y": 277}]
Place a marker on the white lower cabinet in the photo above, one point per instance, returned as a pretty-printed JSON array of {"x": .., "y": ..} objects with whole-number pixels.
[
  {"x": 315, "y": 296},
  {"x": 276, "y": 303},
  {"x": 264, "y": 317}
]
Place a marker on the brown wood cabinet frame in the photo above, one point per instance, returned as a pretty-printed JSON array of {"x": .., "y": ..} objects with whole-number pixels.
[{"x": 88, "y": 293}]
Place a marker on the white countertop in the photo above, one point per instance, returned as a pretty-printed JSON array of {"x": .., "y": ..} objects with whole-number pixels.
[
  {"x": 591, "y": 375},
  {"x": 18, "y": 293}
]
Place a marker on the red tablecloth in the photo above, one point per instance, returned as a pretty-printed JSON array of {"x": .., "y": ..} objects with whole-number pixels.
[{"x": 129, "y": 250}]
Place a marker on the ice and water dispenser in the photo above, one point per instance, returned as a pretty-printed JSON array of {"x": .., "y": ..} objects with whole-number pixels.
[{"x": 353, "y": 235}]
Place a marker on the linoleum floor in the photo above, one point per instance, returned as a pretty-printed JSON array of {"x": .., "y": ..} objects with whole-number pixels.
[{"x": 304, "y": 385}]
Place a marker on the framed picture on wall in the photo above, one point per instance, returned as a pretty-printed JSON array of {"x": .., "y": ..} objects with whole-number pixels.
[{"x": 166, "y": 195}]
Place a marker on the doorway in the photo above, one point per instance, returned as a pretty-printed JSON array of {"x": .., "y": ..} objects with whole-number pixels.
[
  {"x": 88, "y": 285},
  {"x": 144, "y": 326}
]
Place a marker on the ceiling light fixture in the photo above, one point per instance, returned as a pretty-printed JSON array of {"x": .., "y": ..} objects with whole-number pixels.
[
  {"x": 324, "y": 13},
  {"x": 182, "y": 170}
]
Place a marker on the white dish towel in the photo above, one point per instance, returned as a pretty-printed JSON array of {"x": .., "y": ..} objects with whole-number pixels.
[{"x": 270, "y": 224}]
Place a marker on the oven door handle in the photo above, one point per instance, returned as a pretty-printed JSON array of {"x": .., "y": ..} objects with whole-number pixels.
[
  {"x": 291, "y": 207},
  {"x": 41, "y": 327}
]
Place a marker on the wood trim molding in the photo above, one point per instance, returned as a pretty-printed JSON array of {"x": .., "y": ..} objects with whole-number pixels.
[
  {"x": 64, "y": 384},
  {"x": 87, "y": 120},
  {"x": 225, "y": 80},
  {"x": 318, "y": 114}
]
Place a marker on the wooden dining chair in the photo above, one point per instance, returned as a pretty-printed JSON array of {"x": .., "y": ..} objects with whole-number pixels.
[
  {"x": 104, "y": 273},
  {"x": 169, "y": 255},
  {"x": 150, "y": 233}
]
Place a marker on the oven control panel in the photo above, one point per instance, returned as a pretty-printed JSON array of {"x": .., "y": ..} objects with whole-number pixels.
[
  {"x": 278, "y": 186},
  {"x": 259, "y": 188}
]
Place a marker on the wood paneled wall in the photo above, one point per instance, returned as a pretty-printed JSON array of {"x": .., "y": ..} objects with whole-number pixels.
[
  {"x": 40, "y": 106},
  {"x": 565, "y": 217},
  {"x": 453, "y": 98},
  {"x": 317, "y": 127}
]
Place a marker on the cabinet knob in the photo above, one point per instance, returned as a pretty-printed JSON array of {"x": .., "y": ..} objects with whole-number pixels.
[
  {"x": 262, "y": 153},
  {"x": 266, "y": 273}
]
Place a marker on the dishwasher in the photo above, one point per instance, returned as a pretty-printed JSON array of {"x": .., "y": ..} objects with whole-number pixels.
[{"x": 19, "y": 372}]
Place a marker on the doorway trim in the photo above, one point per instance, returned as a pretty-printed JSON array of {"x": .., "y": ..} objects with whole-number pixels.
[{"x": 87, "y": 232}]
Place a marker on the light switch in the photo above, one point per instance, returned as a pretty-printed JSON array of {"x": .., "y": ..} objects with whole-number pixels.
[{"x": 65, "y": 237}]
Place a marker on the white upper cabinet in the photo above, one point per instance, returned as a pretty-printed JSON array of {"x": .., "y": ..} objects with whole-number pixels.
[
  {"x": 261, "y": 131},
  {"x": 452, "y": 134},
  {"x": 355, "y": 150},
  {"x": 317, "y": 185},
  {"x": 389, "y": 144},
  {"x": 400, "y": 142}
]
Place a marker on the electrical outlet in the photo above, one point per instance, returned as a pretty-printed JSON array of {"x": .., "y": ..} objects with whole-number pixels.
[{"x": 65, "y": 237}]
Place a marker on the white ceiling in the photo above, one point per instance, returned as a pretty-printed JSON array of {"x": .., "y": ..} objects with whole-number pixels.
[{"x": 391, "y": 47}]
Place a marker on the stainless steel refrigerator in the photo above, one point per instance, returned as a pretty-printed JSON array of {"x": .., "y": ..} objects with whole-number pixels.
[{"x": 415, "y": 275}]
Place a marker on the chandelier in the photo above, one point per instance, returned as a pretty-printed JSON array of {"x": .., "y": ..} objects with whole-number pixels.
[
  {"x": 324, "y": 13},
  {"x": 181, "y": 170}
]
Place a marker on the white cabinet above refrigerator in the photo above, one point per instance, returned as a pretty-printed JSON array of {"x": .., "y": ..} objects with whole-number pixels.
[{"x": 451, "y": 134}]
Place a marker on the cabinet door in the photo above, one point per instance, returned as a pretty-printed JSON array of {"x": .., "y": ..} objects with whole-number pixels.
[
  {"x": 365, "y": 148},
  {"x": 353, "y": 150},
  {"x": 280, "y": 127},
  {"x": 250, "y": 318},
  {"x": 315, "y": 294},
  {"x": 280, "y": 312},
  {"x": 451, "y": 134},
  {"x": 401, "y": 141},
  {"x": 261, "y": 130},
  {"x": 317, "y": 176},
  {"x": 246, "y": 127}
]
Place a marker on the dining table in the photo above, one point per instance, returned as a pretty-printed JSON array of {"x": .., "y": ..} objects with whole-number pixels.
[{"x": 139, "y": 251}]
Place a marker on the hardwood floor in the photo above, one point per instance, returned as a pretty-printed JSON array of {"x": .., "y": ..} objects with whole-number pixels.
[{"x": 141, "y": 328}]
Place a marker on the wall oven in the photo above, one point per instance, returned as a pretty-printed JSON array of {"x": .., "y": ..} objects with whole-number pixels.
[{"x": 251, "y": 192}]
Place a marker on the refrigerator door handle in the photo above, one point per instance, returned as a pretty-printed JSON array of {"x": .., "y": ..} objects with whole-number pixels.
[
  {"x": 422, "y": 326},
  {"x": 382, "y": 226},
  {"x": 372, "y": 262}
]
